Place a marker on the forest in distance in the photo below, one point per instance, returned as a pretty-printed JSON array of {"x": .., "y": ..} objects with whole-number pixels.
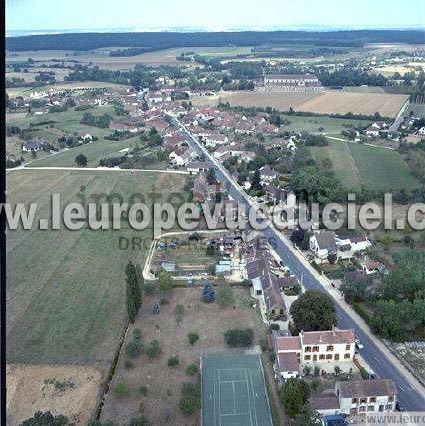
[{"x": 164, "y": 40}]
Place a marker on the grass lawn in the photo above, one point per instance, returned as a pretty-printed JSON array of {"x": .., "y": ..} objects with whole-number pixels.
[
  {"x": 325, "y": 124},
  {"x": 65, "y": 289},
  {"x": 362, "y": 165},
  {"x": 382, "y": 169},
  {"x": 94, "y": 152},
  {"x": 418, "y": 109},
  {"x": 343, "y": 166}
]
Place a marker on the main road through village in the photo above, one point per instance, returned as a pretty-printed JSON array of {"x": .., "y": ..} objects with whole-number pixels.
[{"x": 384, "y": 364}]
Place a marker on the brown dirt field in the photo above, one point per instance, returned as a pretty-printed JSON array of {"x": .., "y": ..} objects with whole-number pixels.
[
  {"x": 163, "y": 382},
  {"x": 281, "y": 101},
  {"x": 358, "y": 103},
  {"x": 28, "y": 393},
  {"x": 340, "y": 102}
]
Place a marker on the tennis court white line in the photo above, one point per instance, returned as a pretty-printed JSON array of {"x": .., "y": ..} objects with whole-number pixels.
[
  {"x": 252, "y": 387},
  {"x": 236, "y": 414},
  {"x": 219, "y": 398},
  {"x": 249, "y": 399}
]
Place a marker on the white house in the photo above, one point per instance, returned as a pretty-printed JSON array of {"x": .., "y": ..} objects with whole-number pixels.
[
  {"x": 372, "y": 131},
  {"x": 355, "y": 243},
  {"x": 366, "y": 396},
  {"x": 314, "y": 348},
  {"x": 356, "y": 398},
  {"x": 322, "y": 243}
]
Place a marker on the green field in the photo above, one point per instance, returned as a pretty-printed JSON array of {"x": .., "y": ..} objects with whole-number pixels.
[
  {"x": 320, "y": 124},
  {"x": 361, "y": 165},
  {"x": 94, "y": 152},
  {"x": 66, "y": 289},
  {"x": 418, "y": 109},
  {"x": 382, "y": 169}
]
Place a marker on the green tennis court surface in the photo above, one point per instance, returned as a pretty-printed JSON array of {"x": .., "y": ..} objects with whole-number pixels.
[{"x": 233, "y": 391}]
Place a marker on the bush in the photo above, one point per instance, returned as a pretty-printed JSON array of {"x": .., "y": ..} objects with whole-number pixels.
[
  {"x": 121, "y": 390},
  {"x": 192, "y": 370},
  {"x": 193, "y": 338},
  {"x": 361, "y": 312},
  {"x": 239, "y": 338},
  {"x": 139, "y": 421},
  {"x": 364, "y": 373},
  {"x": 190, "y": 399},
  {"x": 173, "y": 361},
  {"x": 133, "y": 349},
  {"x": 143, "y": 390},
  {"x": 153, "y": 350},
  {"x": 137, "y": 335}
]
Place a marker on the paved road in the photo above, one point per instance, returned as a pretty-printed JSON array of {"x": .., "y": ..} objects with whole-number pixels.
[{"x": 411, "y": 397}]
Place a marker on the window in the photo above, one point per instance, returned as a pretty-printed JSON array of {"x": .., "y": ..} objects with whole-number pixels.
[
  {"x": 354, "y": 401},
  {"x": 389, "y": 407},
  {"x": 322, "y": 356},
  {"x": 307, "y": 349},
  {"x": 347, "y": 356},
  {"x": 329, "y": 348},
  {"x": 391, "y": 398},
  {"x": 336, "y": 357},
  {"x": 372, "y": 399},
  {"x": 329, "y": 356},
  {"x": 370, "y": 408},
  {"x": 307, "y": 358},
  {"x": 347, "y": 347},
  {"x": 363, "y": 400},
  {"x": 315, "y": 348},
  {"x": 353, "y": 410},
  {"x": 362, "y": 409}
]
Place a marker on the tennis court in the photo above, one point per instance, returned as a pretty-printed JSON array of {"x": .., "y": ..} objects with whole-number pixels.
[{"x": 234, "y": 392}]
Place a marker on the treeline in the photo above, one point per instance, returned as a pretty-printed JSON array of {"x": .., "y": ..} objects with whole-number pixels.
[
  {"x": 132, "y": 51},
  {"x": 350, "y": 77},
  {"x": 163, "y": 40}
]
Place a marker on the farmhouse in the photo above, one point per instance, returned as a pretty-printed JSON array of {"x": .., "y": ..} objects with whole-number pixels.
[
  {"x": 314, "y": 348},
  {"x": 357, "y": 397},
  {"x": 32, "y": 146},
  {"x": 291, "y": 82}
]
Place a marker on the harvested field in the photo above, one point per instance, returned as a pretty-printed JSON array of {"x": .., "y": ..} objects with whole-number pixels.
[
  {"x": 68, "y": 390},
  {"x": 163, "y": 382},
  {"x": 388, "y": 105},
  {"x": 281, "y": 101}
]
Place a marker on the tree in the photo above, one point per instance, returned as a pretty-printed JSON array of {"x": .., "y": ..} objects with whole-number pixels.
[
  {"x": 81, "y": 160},
  {"x": 153, "y": 350},
  {"x": 193, "y": 338},
  {"x": 165, "y": 282},
  {"x": 133, "y": 291},
  {"x": 225, "y": 296},
  {"x": 256, "y": 181},
  {"x": 293, "y": 395},
  {"x": 239, "y": 338},
  {"x": 46, "y": 419},
  {"x": 179, "y": 313},
  {"x": 208, "y": 294},
  {"x": 312, "y": 311},
  {"x": 307, "y": 417},
  {"x": 173, "y": 361}
]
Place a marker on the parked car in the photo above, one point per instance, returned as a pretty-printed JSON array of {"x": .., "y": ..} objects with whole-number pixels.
[
  {"x": 399, "y": 406},
  {"x": 359, "y": 344}
]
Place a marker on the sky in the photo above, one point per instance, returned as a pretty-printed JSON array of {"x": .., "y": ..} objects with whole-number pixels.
[{"x": 142, "y": 15}]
